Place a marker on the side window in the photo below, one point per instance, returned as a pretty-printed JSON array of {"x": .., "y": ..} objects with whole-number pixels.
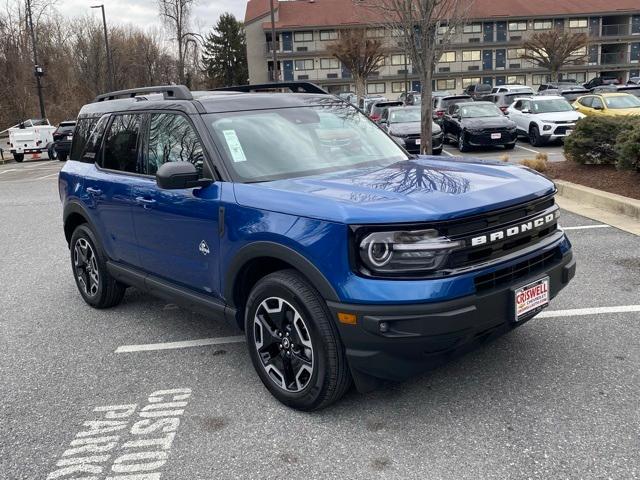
[
  {"x": 385, "y": 114},
  {"x": 92, "y": 145},
  {"x": 586, "y": 101},
  {"x": 81, "y": 136},
  {"x": 120, "y": 150},
  {"x": 172, "y": 139},
  {"x": 518, "y": 105},
  {"x": 526, "y": 105},
  {"x": 597, "y": 103}
]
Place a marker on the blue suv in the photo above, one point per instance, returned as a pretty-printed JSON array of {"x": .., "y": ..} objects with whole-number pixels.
[{"x": 294, "y": 217}]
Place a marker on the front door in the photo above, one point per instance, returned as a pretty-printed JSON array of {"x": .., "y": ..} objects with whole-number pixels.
[
  {"x": 487, "y": 32},
  {"x": 487, "y": 59},
  {"x": 501, "y": 58},
  {"x": 288, "y": 70},
  {"x": 501, "y": 31},
  {"x": 287, "y": 41},
  {"x": 177, "y": 230}
]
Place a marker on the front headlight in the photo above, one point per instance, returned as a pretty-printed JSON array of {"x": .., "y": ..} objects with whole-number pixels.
[{"x": 405, "y": 251}]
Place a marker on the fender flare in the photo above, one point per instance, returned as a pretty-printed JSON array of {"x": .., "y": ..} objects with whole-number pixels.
[
  {"x": 280, "y": 252},
  {"x": 75, "y": 206}
]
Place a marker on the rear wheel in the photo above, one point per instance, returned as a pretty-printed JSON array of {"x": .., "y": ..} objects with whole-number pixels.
[
  {"x": 62, "y": 157},
  {"x": 51, "y": 152},
  {"x": 97, "y": 287},
  {"x": 18, "y": 157},
  {"x": 294, "y": 344}
]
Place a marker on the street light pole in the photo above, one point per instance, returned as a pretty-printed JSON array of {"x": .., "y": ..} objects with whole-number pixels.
[
  {"x": 276, "y": 73},
  {"x": 38, "y": 70},
  {"x": 110, "y": 80}
]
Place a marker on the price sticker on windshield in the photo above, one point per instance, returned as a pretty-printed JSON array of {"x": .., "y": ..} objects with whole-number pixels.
[{"x": 233, "y": 142}]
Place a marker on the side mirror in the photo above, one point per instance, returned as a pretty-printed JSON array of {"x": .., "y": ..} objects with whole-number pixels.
[
  {"x": 180, "y": 175},
  {"x": 597, "y": 108},
  {"x": 525, "y": 110}
]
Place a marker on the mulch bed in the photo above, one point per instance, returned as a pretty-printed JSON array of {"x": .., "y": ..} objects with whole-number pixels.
[{"x": 602, "y": 177}]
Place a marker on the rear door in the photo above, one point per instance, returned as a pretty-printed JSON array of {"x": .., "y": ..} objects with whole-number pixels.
[{"x": 177, "y": 230}]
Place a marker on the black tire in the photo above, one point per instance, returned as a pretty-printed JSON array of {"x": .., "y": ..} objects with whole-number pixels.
[
  {"x": 62, "y": 157},
  {"x": 534, "y": 137},
  {"x": 52, "y": 154},
  {"x": 286, "y": 293},
  {"x": 100, "y": 290},
  {"x": 463, "y": 146},
  {"x": 510, "y": 146},
  {"x": 18, "y": 157},
  {"x": 437, "y": 151}
]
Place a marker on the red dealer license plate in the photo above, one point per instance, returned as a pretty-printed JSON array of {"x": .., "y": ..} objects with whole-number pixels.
[{"x": 531, "y": 298}]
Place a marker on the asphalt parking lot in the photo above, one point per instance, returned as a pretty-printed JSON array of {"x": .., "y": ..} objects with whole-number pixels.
[{"x": 555, "y": 399}]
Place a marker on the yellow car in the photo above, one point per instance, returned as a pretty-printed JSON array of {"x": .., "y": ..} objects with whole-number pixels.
[{"x": 608, "y": 104}]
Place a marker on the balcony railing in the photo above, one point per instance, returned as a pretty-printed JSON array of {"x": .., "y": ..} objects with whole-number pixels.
[
  {"x": 615, "y": 58},
  {"x": 616, "y": 30}
]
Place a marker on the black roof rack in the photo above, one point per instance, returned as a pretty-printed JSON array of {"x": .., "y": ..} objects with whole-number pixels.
[
  {"x": 295, "y": 87},
  {"x": 170, "y": 92}
]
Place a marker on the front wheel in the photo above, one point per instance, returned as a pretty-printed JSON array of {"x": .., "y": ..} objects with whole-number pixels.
[
  {"x": 18, "y": 157},
  {"x": 534, "y": 137},
  {"x": 294, "y": 344},
  {"x": 463, "y": 146}
]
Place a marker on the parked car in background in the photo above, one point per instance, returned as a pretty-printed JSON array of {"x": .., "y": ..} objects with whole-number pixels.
[
  {"x": 597, "y": 81},
  {"x": 404, "y": 125},
  {"x": 441, "y": 104},
  {"x": 34, "y": 137},
  {"x": 543, "y": 118},
  {"x": 631, "y": 89},
  {"x": 477, "y": 90},
  {"x": 411, "y": 98},
  {"x": 365, "y": 103},
  {"x": 515, "y": 88},
  {"x": 610, "y": 104},
  {"x": 561, "y": 85},
  {"x": 350, "y": 97},
  {"x": 478, "y": 124},
  {"x": 569, "y": 94},
  {"x": 62, "y": 137},
  {"x": 378, "y": 107},
  {"x": 504, "y": 99},
  {"x": 634, "y": 81}
]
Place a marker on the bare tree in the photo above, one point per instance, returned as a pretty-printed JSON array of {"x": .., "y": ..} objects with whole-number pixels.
[
  {"x": 555, "y": 49},
  {"x": 360, "y": 54},
  {"x": 426, "y": 28},
  {"x": 177, "y": 16}
]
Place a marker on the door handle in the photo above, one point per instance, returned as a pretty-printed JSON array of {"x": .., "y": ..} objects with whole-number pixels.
[
  {"x": 145, "y": 201},
  {"x": 94, "y": 191}
]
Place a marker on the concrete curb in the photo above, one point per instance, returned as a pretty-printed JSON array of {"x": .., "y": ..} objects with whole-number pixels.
[{"x": 592, "y": 197}]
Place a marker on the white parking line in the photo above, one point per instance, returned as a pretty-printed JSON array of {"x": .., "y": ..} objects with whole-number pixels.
[
  {"x": 47, "y": 176},
  {"x": 9, "y": 170},
  {"x": 450, "y": 154},
  {"x": 527, "y": 149},
  {"x": 586, "y": 227},
  {"x": 149, "y": 347},
  {"x": 576, "y": 312},
  {"x": 186, "y": 344}
]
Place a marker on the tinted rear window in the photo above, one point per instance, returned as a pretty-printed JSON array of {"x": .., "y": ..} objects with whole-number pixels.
[{"x": 81, "y": 135}]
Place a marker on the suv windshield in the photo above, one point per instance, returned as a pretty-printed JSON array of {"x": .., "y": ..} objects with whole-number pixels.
[
  {"x": 263, "y": 145},
  {"x": 626, "y": 101},
  {"x": 405, "y": 115},
  {"x": 477, "y": 111},
  {"x": 548, "y": 106}
]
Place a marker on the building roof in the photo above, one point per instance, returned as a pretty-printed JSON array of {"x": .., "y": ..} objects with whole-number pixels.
[{"x": 327, "y": 13}]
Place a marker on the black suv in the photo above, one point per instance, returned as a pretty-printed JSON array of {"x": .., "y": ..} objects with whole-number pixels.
[
  {"x": 477, "y": 90},
  {"x": 62, "y": 137}
]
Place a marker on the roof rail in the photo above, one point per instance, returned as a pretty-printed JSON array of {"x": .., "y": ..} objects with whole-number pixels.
[
  {"x": 295, "y": 87},
  {"x": 170, "y": 92}
]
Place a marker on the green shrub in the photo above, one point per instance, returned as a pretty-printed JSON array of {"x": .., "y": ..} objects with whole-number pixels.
[
  {"x": 594, "y": 139},
  {"x": 628, "y": 149}
]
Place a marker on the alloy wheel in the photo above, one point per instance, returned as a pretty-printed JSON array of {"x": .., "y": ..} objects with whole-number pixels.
[
  {"x": 283, "y": 342},
  {"x": 85, "y": 265}
]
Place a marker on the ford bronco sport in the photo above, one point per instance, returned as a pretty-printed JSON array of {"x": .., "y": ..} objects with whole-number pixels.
[{"x": 293, "y": 216}]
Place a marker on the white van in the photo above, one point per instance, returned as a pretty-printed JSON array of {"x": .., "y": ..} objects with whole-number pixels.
[{"x": 32, "y": 136}]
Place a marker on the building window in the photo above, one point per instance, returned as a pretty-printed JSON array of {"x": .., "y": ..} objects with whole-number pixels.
[
  {"x": 397, "y": 32},
  {"x": 303, "y": 36},
  {"x": 472, "y": 28},
  {"x": 381, "y": 61},
  {"x": 580, "y": 52},
  {"x": 515, "y": 53},
  {"x": 578, "y": 77},
  {"x": 539, "y": 79},
  {"x": 517, "y": 26},
  {"x": 376, "y": 87},
  {"x": 471, "y": 56},
  {"x": 578, "y": 23},
  {"x": 329, "y": 63},
  {"x": 446, "y": 84},
  {"x": 542, "y": 24},
  {"x": 399, "y": 60},
  {"x": 470, "y": 81},
  {"x": 375, "y": 32},
  {"x": 303, "y": 65},
  {"x": 328, "y": 35},
  {"x": 450, "y": 29},
  {"x": 517, "y": 80},
  {"x": 397, "y": 87},
  {"x": 448, "y": 57}
]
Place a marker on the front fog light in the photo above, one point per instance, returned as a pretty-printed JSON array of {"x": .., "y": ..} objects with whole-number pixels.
[
  {"x": 547, "y": 127},
  {"x": 405, "y": 251}
]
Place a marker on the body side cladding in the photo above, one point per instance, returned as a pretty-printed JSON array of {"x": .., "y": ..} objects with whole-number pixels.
[{"x": 73, "y": 208}]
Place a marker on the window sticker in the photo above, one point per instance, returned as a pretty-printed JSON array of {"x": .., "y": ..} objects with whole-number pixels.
[{"x": 237, "y": 154}]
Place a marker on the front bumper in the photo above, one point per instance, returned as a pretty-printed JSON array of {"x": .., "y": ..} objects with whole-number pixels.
[
  {"x": 485, "y": 140},
  {"x": 410, "y": 143},
  {"x": 421, "y": 336}
]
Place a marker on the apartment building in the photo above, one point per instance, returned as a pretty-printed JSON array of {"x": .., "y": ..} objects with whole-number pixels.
[{"x": 487, "y": 49}]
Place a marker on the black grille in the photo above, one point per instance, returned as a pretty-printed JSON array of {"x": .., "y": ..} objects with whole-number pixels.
[{"x": 521, "y": 270}]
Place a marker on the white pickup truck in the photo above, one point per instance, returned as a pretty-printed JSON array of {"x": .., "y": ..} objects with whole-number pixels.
[{"x": 32, "y": 136}]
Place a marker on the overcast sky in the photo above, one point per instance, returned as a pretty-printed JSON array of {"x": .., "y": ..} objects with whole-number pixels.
[{"x": 144, "y": 13}]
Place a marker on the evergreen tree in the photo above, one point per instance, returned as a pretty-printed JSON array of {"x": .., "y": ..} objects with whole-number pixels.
[{"x": 225, "y": 53}]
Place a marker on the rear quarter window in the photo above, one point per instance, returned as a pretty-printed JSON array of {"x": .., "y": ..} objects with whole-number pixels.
[{"x": 81, "y": 136}]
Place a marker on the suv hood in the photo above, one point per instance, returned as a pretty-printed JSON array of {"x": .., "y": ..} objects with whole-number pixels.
[
  {"x": 484, "y": 123},
  {"x": 419, "y": 190},
  {"x": 570, "y": 116}
]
